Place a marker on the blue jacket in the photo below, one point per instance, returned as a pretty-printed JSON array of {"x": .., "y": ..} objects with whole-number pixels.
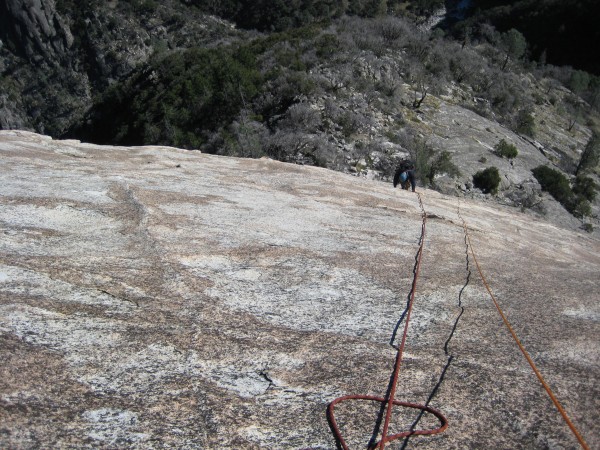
[{"x": 410, "y": 176}]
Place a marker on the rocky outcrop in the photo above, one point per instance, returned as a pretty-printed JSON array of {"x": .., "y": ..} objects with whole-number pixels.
[
  {"x": 11, "y": 115},
  {"x": 56, "y": 56},
  {"x": 35, "y": 30},
  {"x": 152, "y": 297}
]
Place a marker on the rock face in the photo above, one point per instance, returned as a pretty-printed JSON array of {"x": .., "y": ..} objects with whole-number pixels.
[
  {"x": 35, "y": 30},
  {"x": 152, "y": 297},
  {"x": 56, "y": 56}
]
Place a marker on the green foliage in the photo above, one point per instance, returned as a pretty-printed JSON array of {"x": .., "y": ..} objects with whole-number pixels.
[
  {"x": 279, "y": 15},
  {"x": 506, "y": 150},
  {"x": 274, "y": 15},
  {"x": 565, "y": 29},
  {"x": 64, "y": 6},
  {"x": 9, "y": 88},
  {"x": 421, "y": 154},
  {"x": 580, "y": 208},
  {"x": 428, "y": 164},
  {"x": 585, "y": 187},
  {"x": 514, "y": 44},
  {"x": 426, "y": 6},
  {"x": 140, "y": 6},
  {"x": 579, "y": 81},
  {"x": 367, "y": 8},
  {"x": 487, "y": 180},
  {"x": 442, "y": 163},
  {"x": 554, "y": 182},
  {"x": 176, "y": 99},
  {"x": 590, "y": 157},
  {"x": 575, "y": 201},
  {"x": 525, "y": 123},
  {"x": 194, "y": 97},
  {"x": 326, "y": 45}
]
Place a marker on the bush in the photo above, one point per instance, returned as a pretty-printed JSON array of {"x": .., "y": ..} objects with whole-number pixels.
[
  {"x": 506, "y": 150},
  {"x": 514, "y": 45},
  {"x": 580, "y": 207},
  {"x": 577, "y": 200},
  {"x": 590, "y": 157},
  {"x": 421, "y": 153},
  {"x": 327, "y": 45},
  {"x": 525, "y": 124},
  {"x": 579, "y": 81},
  {"x": 585, "y": 187},
  {"x": 142, "y": 6},
  {"x": 487, "y": 180},
  {"x": 555, "y": 183},
  {"x": 442, "y": 163}
]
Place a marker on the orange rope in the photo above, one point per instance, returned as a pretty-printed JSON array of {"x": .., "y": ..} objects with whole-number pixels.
[
  {"x": 388, "y": 413},
  {"x": 389, "y": 400},
  {"x": 521, "y": 347}
]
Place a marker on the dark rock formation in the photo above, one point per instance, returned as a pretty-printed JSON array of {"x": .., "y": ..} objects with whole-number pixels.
[
  {"x": 54, "y": 57},
  {"x": 35, "y": 31}
]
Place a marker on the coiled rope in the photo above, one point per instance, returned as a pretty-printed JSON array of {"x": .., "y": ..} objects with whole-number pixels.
[
  {"x": 521, "y": 347},
  {"x": 389, "y": 400}
]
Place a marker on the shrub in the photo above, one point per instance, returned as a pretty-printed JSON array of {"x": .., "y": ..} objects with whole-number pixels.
[
  {"x": 506, "y": 150},
  {"x": 144, "y": 6},
  {"x": 301, "y": 116},
  {"x": 326, "y": 45},
  {"x": 421, "y": 154},
  {"x": 585, "y": 187},
  {"x": 514, "y": 45},
  {"x": 525, "y": 124},
  {"x": 555, "y": 183},
  {"x": 487, "y": 180},
  {"x": 580, "y": 207},
  {"x": 391, "y": 29},
  {"x": 579, "y": 81},
  {"x": 442, "y": 163},
  {"x": 176, "y": 99},
  {"x": 590, "y": 157}
]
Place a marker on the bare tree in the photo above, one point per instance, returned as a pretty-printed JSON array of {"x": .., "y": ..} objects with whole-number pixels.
[{"x": 392, "y": 29}]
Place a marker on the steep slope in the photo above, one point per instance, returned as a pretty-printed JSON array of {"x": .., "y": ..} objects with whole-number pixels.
[
  {"x": 560, "y": 29},
  {"x": 354, "y": 93},
  {"x": 344, "y": 97},
  {"x": 56, "y": 56},
  {"x": 152, "y": 297}
]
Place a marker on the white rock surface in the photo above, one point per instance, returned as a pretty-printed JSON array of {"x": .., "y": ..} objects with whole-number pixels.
[{"x": 152, "y": 297}]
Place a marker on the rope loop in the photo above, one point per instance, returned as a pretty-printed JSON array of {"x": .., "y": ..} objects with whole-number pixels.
[{"x": 389, "y": 400}]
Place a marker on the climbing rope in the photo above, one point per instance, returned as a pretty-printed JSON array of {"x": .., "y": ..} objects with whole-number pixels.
[
  {"x": 521, "y": 347},
  {"x": 389, "y": 401}
]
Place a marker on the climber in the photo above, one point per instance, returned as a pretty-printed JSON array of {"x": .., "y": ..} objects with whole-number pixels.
[{"x": 405, "y": 175}]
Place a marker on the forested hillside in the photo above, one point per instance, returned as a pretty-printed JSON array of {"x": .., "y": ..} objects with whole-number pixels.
[
  {"x": 278, "y": 15},
  {"x": 353, "y": 85},
  {"x": 560, "y": 32}
]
